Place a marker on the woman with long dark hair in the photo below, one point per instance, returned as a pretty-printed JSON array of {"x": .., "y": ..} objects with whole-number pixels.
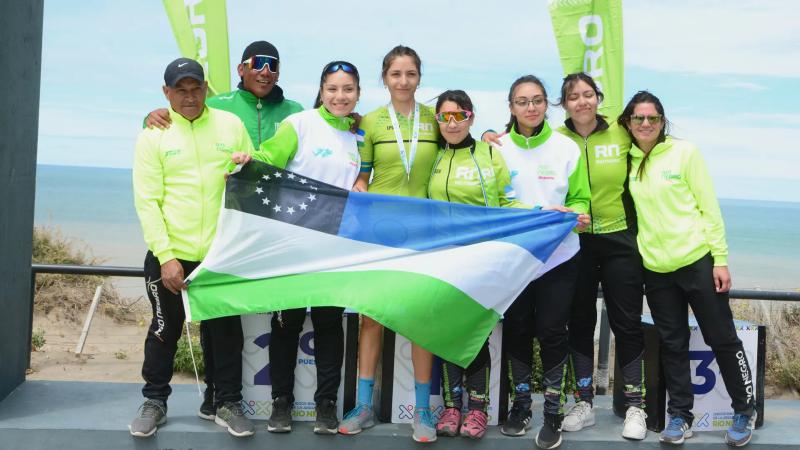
[{"x": 682, "y": 241}]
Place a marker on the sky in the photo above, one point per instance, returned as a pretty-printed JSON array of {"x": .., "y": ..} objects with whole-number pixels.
[{"x": 726, "y": 72}]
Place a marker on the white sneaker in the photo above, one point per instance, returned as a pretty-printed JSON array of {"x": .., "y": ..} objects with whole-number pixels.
[
  {"x": 635, "y": 426},
  {"x": 580, "y": 416}
]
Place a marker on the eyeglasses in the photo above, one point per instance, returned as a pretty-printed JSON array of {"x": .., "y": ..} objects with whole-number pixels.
[
  {"x": 523, "y": 102},
  {"x": 458, "y": 116},
  {"x": 258, "y": 62},
  {"x": 340, "y": 66},
  {"x": 655, "y": 119}
]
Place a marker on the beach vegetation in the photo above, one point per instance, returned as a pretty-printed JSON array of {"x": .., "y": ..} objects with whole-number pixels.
[
  {"x": 38, "y": 340},
  {"x": 69, "y": 296}
]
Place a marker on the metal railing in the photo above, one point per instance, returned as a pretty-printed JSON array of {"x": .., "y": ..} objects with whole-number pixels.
[{"x": 605, "y": 332}]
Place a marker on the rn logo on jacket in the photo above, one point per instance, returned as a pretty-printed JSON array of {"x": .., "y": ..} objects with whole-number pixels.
[
  {"x": 607, "y": 154},
  {"x": 468, "y": 175}
]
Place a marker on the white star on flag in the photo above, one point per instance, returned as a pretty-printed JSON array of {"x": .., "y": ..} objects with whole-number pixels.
[
  {"x": 312, "y": 197},
  {"x": 303, "y": 181},
  {"x": 277, "y": 208},
  {"x": 278, "y": 174},
  {"x": 265, "y": 201},
  {"x": 303, "y": 206},
  {"x": 290, "y": 176},
  {"x": 259, "y": 190},
  {"x": 290, "y": 210},
  {"x": 265, "y": 177}
]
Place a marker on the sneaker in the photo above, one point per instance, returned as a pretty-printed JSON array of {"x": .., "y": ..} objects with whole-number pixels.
[
  {"x": 424, "y": 426},
  {"x": 676, "y": 431},
  {"x": 474, "y": 426},
  {"x": 635, "y": 425},
  {"x": 449, "y": 422},
  {"x": 207, "y": 410},
  {"x": 518, "y": 422},
  {"x": 327, "y": 422},
  {"x": 280, "y": 421},
  {"x": 741, "y": 430},
  {"x": 550, "y": 434},
  {"x": 231, "y": 416},
  {"x": 580, "y": 416},
  {"x": 358, "y": 419},
  {"x": 152, "y": 413}
]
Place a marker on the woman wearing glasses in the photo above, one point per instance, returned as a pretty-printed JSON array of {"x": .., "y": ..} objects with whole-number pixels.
[
  {"x": 400, "y": 143},
  {"x": 294, "y": 148},
  {"x": 546, "y": 169},
  {"x": 471, "y": 172},
  {"x": 682, "y": 241},
  {"x": 609, "y": 255}
]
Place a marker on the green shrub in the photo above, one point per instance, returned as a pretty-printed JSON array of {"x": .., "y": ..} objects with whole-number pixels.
[
  {"x": 183, "y": 357},
  {"x": 38, "y": 340}
]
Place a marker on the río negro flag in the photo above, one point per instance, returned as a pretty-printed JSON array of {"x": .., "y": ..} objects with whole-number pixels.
[{"x": 440, "y": 274}]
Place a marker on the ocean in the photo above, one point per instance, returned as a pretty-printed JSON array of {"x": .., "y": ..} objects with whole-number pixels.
[{"x": 94, "y": 207}]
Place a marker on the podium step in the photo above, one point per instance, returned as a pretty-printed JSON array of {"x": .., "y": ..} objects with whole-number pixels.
[{"x": 88, "y": 416}]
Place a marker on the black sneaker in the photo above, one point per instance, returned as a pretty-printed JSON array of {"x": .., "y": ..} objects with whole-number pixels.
[
  {"x": 280, "y": 421},
  {"x": 207, "y": 410},
  {"x": 231, "y": 416},
  {"x": 550, "y": 434},
  {"x": 518, "y": 422},
  {"x": 326, "y": 423}
]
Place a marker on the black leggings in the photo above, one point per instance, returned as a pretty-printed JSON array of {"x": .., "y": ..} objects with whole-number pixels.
[
  {"x": 541, "y": 310},
  {"x": 669, "y": 295},
  {"x": 612, "y": 260},
  {"x": 328, "y": 350},
  {"x": 477, "y": 381}
]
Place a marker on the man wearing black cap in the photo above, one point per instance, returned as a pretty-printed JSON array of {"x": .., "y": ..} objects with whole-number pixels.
[
  {"x": 260, "y": 104},
  {"x": 258, "y": 101},
  {"x": 178, "y": 181}
]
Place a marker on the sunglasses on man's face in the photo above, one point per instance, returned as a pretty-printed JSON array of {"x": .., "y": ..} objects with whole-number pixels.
[
  {"x": 458, "y": 116},
  {"x": 258, "y": 62}
]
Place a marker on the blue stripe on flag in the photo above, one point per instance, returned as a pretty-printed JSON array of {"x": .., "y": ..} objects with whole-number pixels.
[{"x": 421, "y": 224}]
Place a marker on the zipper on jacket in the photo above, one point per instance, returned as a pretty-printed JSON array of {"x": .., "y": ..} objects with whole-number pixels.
[
  {"x": 589, "y": 177},
  {"x": 449, "y": 169},
  {"x": 202, "y": 193},
  {"x": 258, "y": 107}
]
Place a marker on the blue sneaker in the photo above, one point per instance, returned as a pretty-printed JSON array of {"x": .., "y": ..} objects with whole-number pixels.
[
  {"x": 741, "y": 430},
  {"x": 359, "y": 418},
  {"x": 676, "y": 431}
]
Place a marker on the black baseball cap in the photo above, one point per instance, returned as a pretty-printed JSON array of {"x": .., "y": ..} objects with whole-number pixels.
[
  {"x": 182, "y": 68},
  {"x": 260, "y": 48}
]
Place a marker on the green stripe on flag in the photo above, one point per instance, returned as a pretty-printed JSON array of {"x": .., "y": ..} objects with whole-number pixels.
[{"x": 428, "y": 311}]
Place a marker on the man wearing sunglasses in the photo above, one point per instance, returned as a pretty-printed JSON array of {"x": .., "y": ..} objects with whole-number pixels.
[{"x": 258, "y": 100}]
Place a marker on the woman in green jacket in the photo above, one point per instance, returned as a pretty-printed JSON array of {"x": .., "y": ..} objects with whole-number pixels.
[
  {"x": 609, "y": 256},
  {"x": 682, "y": 241},
  {"x": 470, "y": 172}
]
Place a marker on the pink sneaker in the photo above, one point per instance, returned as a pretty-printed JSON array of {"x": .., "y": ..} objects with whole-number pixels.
[
  {"x": 449, "y": 422},
  {"x": 474, "y": 426}
]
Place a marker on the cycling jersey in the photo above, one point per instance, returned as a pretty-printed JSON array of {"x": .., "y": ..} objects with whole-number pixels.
[
  {"x": 380, "y": 152},
  {"x": 316, "y": 144},
  {"x": 605, "y": 154}
]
